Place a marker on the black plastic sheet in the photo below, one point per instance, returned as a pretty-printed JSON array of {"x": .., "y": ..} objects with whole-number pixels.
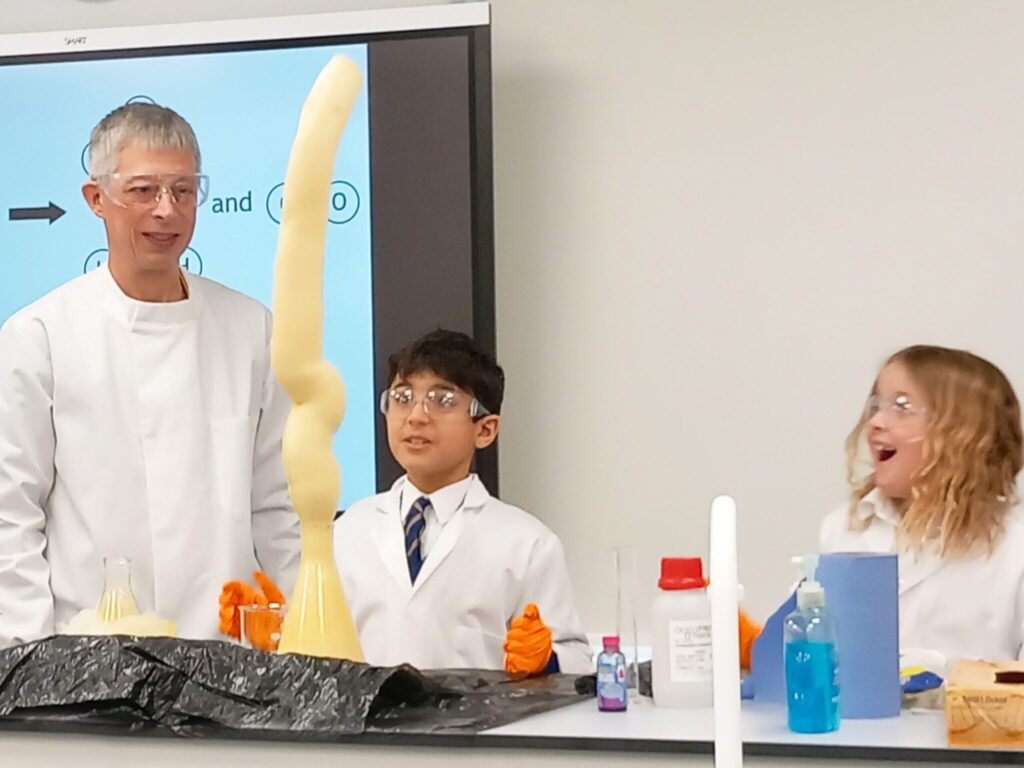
[
  {"x": 206, "y": 688},
  {"x": 475, "y": 700}
]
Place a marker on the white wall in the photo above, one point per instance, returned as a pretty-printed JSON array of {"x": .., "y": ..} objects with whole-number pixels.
[
  {"x": 714, "y": 219},
  {"x": 714, "y": 222}
]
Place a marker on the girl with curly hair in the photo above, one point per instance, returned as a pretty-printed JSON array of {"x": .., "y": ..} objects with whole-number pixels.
[{"x": 941, "y": 435}]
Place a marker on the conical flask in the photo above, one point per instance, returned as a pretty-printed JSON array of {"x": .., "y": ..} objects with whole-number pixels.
[{"x": 117, "y": 600}]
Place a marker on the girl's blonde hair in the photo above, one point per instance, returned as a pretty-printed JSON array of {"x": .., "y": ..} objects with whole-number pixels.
[{"x": 972, "y": 452}]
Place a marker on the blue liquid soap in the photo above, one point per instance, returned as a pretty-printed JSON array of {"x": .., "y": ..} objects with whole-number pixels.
[
  {"x": 612, "y": 686},
  {"x": 812, "y": 663}
]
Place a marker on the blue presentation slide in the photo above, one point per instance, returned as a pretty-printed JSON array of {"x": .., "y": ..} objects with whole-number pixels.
[{"x": 244, "y": 107}]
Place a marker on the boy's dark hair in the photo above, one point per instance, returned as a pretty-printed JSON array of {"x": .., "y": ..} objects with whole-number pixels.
[{"x": 456, "y": 358}]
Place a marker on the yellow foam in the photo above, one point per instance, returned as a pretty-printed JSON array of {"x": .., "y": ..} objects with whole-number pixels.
[
  {"x": 90, "y": 622},
  {"x": 318, "y": 622}
]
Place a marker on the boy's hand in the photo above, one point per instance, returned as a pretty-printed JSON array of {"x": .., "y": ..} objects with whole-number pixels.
[{"x": 527, "y": 644}]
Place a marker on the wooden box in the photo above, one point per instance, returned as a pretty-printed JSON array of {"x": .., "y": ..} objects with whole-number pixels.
[{"x": 985, "y": 704}]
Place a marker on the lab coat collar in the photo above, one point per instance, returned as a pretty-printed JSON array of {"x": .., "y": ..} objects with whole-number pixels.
[
  {"x": 914, "y": 566},
  {"x": 146, "y": 314},
  {"x": 444, "y": 501},
  {"x": 389, "y": 535},
  {"x": 877, "y": 504},
  {"x": 476, "y": 495}
]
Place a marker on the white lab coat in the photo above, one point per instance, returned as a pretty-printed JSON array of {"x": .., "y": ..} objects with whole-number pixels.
[
  {"x": 489, "y": 560},
  {"x": 141, "y": 429},
  {"x": 965, "y": 608}
]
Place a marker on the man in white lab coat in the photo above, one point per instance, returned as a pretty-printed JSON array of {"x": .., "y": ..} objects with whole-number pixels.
[
  {"x": 438, "y": 573},
  {"x": 139, "y": 416}
]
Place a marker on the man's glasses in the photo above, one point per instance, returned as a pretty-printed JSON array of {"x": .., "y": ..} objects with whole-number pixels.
[{"x": 146, "y": 190}]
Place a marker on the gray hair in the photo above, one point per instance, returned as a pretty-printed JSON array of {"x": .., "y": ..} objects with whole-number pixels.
[{"x": 148, "y": 125}]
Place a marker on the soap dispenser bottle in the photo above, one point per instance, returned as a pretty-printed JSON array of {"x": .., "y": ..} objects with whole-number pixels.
[{"x": 811, "y": 660}]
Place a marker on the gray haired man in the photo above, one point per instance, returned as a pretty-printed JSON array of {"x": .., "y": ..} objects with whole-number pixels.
[{"x": 139, "y": 416}]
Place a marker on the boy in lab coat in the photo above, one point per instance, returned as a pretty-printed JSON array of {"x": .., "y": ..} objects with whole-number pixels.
[{"x": 438, "y": 573}]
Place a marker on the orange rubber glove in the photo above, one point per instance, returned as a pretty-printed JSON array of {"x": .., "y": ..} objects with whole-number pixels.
[
  {"x": 262, "y": 630},
  {"x": 749, "y": 632},
  {"x": 270, "y": 589},
  {"x": 232, "y": 595},
  {"x": 527, "y": 644}
]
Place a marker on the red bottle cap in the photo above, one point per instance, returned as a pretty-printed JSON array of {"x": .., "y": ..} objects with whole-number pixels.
[
  {"x": 681, "y": 573},
  {"x": 611, "y": 641}
]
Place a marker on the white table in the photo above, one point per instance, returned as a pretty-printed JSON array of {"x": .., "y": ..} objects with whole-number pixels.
[
  {"x": 577, "y": 735},
  {"x": 917, "y": 736}
]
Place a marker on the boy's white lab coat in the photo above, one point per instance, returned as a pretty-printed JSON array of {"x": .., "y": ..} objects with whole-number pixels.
[
  {"x": 488, "y": 562},
  {"x": 140, "y": 429},
  {"x": 965, "y": 608}
]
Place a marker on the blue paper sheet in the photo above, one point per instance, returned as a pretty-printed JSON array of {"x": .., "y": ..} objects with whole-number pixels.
[{"x": 862, "y": 593}]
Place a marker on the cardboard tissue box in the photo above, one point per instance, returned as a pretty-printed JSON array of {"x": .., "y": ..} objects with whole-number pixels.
[{"x": 985, "y": 704}]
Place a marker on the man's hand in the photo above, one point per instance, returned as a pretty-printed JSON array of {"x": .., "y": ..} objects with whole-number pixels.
[{"x": 232, "y": 595}]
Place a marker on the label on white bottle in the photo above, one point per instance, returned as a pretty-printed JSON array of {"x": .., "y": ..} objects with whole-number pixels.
[{"x": 689, "y": 651}]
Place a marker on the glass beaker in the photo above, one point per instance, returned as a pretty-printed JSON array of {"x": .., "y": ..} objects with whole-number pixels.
[
  {"x": 117, "y": 600},
  {"x": 260, "y": 626},
  {"x": 624, "y": 559}
]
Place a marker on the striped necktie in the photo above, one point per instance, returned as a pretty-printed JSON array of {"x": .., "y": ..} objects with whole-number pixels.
[{"x": 415, "y": 522}]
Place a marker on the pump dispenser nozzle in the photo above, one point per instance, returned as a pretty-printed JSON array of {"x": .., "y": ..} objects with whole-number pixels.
[{"x": 809, "y": 594}]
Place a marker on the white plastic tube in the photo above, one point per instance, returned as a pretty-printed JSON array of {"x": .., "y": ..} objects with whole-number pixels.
[{"x": 725, "y": 632}]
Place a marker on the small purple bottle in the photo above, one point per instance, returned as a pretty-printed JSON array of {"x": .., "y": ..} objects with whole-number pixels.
[{"x": 612, "y": 687}]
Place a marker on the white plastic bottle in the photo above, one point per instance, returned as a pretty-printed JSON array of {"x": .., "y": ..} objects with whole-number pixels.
[{"x": 681, "y": 636}]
